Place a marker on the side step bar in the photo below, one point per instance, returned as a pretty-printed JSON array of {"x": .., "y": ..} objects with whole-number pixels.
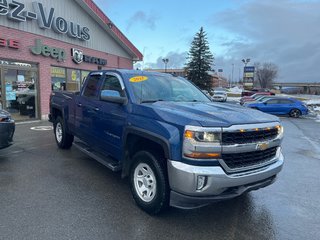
[{"x": 105, "y": 160}]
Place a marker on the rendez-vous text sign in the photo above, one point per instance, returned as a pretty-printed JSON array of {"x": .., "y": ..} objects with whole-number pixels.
[{"x": 16, "y": 11}]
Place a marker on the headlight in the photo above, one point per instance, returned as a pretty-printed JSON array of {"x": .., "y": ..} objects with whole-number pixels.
[
  {"x": 280, "y": 130},
  {"x": 202, "y": 143},
  {"x": 203, "y": 136}
]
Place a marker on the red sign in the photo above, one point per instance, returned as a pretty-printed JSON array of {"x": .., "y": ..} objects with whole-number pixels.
[{"x": 11, "y": 43}]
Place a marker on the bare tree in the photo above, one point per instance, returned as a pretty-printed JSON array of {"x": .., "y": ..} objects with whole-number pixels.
[{"x": 265, "y": 74}]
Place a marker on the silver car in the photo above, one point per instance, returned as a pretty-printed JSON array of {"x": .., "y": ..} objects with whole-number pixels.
[{"x": 219, "y": 96}]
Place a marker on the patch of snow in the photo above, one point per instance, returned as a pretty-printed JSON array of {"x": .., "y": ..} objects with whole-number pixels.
[
  {"x": 313, "y": 102},
  {"x": 234, "y": 99},
  {"x": 235, "y": 90}
]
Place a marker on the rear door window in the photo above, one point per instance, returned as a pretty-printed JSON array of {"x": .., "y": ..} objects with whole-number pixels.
[{"x": 92, "y": 86}]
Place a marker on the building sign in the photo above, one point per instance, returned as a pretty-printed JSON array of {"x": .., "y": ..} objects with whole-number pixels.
[
  {"x": 16, "y": 11},
  {"x": 10, "y": 43},
  {"x": 249, "y": 69},
  {"x": 248, "y": 76},
  {"x": 40, "y": 49},
  {"x": 58, "y": 72},
  {"x": 78, "y": 57}
]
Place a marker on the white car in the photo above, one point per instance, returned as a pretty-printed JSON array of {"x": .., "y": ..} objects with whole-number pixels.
[{"x": 219, "y": 96}]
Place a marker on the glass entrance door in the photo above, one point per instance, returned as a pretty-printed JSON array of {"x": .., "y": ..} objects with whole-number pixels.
[
  {"x": 19, "y": 92},
  {"x": 1, "y": 91}
]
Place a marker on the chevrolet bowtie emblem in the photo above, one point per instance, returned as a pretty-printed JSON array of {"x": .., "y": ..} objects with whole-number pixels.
[{"x": 262, "y": 146}]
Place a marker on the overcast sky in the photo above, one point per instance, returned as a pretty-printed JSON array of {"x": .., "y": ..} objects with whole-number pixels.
[{"x": 284, "y": 32}]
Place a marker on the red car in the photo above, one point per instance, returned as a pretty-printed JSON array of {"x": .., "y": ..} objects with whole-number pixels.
[
  {"x": 254, "y": 96},
  {"x": 253, "y": 91}
]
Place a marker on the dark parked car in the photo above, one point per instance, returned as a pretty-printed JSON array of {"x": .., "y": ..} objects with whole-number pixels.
[
  {"x": 253, "y": 91},
  {"x": 281, "y": 106},
  {"x": 7, "y": 127}
]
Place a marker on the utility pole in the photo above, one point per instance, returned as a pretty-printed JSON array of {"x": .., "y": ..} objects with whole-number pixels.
[{"x": 232, "y": 74}]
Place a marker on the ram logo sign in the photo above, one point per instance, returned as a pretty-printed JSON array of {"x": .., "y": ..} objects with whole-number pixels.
[{"x": 77, "y": 55}]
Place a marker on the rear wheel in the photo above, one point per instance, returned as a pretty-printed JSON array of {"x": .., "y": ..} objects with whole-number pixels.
[
  {"x": 295, "y": 113},
  {"x": 148, "y": 182},
  {"x": 64, "y": 140}
]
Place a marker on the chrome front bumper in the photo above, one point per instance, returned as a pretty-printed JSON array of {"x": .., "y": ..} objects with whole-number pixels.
[{"x": 183, "y": 179}]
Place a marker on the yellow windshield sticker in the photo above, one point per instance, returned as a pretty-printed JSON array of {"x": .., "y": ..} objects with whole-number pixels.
[{"x": 138, "y": 79}]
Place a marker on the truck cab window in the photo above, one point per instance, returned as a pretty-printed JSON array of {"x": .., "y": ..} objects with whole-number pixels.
[
  {"x": 113, "y": 83},
  {"x": 92, "y": 87}
]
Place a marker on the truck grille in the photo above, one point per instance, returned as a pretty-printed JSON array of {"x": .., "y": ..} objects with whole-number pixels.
[
  {"x": 248, "y": 136},
  {"x": 239, "y": 160}
]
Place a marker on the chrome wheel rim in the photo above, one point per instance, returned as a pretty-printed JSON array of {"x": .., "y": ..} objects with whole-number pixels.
[
  {"x": 295, "y": 113},
  {"x": 59, "y": 132},
  {"x": 145, "y": 182}
]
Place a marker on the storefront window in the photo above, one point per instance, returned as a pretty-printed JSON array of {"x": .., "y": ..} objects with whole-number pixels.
[
  {"x": 73, "y": 82},
  {"x": 84, "y": 74},
  {"x": 66, "y": 79},
  {"x": 19, "y": 91},
  {"x": 58, "y": 78}
]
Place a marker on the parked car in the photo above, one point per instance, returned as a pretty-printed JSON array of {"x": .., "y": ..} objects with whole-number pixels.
[
  {"x": 7, "y": 128},
  {"x": 254, "y": 97},
  {"x": 259, "y": 99},
  {"x": 255, "y": 90},
  {"x": 219, "y": 95},
  {"x": 26, "y": 100},
  {"x": 281, "y": 106}
]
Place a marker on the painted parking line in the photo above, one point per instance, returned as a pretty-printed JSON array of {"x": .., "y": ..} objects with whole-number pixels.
[{"x": 42, "y": 128}]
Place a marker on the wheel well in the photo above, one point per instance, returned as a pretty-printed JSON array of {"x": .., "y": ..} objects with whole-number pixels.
[
  {"x": 56, "y": 113},
  {"x": 135, "y": 144}
]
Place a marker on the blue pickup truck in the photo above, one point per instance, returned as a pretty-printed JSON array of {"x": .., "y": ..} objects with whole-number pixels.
[{"x": 176, "y": 146}]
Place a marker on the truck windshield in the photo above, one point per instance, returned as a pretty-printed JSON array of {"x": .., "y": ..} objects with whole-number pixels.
[{"x": 152, "y": 88}]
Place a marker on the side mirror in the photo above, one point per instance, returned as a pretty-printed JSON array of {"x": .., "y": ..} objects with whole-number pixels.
[{"x": 112, "y": 96}]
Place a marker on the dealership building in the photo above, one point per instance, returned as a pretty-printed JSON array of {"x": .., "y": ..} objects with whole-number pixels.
[{"x": 52, "y": 45}]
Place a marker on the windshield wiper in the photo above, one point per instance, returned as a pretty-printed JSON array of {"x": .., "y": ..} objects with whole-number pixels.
[{"x": 151, "y": 101}]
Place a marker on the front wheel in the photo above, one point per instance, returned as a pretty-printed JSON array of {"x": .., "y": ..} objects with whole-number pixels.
[
  {"x": 295, "y": 113},
  {"x": 64, "y": 140},
  {"x": 148, "y": 182}
]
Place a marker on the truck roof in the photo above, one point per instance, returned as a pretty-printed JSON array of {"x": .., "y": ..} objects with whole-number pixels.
[{"x": 131, "y": 71}]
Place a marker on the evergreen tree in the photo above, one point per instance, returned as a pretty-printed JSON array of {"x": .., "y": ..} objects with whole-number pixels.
[{"x": 200, "y": 61}]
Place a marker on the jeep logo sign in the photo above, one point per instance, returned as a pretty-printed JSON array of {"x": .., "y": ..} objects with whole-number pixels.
[
  {"x": 46, "y": 51},
  {"x": 15, "y": 11}
]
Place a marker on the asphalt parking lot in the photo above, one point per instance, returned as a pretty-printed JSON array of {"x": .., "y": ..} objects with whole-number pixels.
[{"x": 49, "y": 193}]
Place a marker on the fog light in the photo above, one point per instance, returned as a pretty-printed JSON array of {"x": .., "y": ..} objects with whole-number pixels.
[{"x": 201, "y": 182}]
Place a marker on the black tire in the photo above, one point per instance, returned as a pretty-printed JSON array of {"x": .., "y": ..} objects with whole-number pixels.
[
  {"x": 295, "y": 113},
  {"x": 64, "y": 140},
  {"x": 152, "y": 172}
]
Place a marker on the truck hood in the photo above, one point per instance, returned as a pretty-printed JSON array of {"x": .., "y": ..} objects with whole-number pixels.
[{"x": 207, "y": 114}]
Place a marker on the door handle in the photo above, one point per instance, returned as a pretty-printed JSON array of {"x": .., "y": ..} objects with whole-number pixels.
[
  {"x": 96, "y": 109},
  {"x": 79, "y": 104}
]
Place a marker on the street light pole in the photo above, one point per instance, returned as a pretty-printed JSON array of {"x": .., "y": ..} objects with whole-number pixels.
[
  {"x": 165, "y": 61},
  {"x": 232, "y": 74}
]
